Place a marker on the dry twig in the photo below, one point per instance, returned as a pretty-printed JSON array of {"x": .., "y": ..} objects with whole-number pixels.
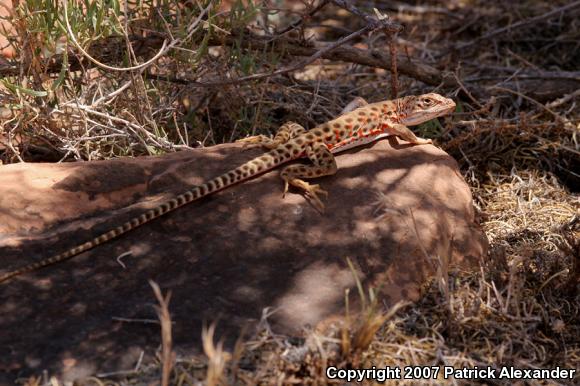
[
  {"x": 556, "y": 12},
  {"x": 167, "y": 355}
]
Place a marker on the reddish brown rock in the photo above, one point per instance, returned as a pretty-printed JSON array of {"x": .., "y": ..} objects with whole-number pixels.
[
  {"x": 5, "y": 30},
  {"x": 227, "y": 256}
]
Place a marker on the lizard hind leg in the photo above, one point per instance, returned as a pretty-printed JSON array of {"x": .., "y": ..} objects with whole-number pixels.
[
  {"x": 286, "y": 132},
  {"x": 353, "y": 105},
  {"x": 324, "y": 165}
]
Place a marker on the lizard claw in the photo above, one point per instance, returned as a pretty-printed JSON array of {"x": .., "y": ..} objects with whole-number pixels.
[
  {"x": 261, "y": 140},
  {"x": 252, "y": 139},
  {"x": 313, "y": 192},
  {"x": 249, "y": 141}
]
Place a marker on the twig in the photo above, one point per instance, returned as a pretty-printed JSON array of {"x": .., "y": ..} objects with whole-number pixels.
[
  {"x": 167, "y": 354},
  {"x": 464, "y": 89},
  {"x": 315, "y": 56},
  {"x": 112, "y": 94},
  {"x": 421, "y": 9},
  {"x": 558, "y": 75},
  {"x": 130, "y": 125},
  {"x": 135, "y": 320},
  {"x": 162, "y": 51},
  {"x": 394, "y": 75},
  {"x": 380, "y": 59},
  {"x": 308, "y": 15},
  {"x": 499, "y": 31},
  {"x": 416, "y": 70},
  {"x": 374, "y": 23},
  {"x": 391, "y": 39},
  {"x": 543, "y": 107},
  {"x": 564, "y": 99},
  {"x": 311, "y": 59},
  {"x": 135, "y": 370},
  {"x": 73, "y": 39}
]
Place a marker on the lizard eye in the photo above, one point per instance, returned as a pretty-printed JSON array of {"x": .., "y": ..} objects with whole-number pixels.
[{"x": 428, "y": 101}]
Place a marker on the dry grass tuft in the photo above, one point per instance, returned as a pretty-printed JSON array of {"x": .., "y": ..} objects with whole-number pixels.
[
  {"x": 167, "y": 354},
  {"x": 217, "y": 358}
]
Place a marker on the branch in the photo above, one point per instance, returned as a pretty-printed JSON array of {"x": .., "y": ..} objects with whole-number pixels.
[
  {"x": 300, "y": 21},
  {"x": 335, "y": 51},
  {"x": 312, "y": 58},
  {"x": 555, "y": 12},
  {"x": 389, "y": 26},
  {"x": 105, "y": 50}
]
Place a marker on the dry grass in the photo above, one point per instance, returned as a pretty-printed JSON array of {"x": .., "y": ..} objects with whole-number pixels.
[
  {"x": 167, "y": 354},
  {"x": 516, "y": 311},
  {"x": 519, "y": 154}
]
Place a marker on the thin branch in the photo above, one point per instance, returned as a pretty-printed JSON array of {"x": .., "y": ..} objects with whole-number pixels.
[
  {"x": 308, "y": 15},
  {"x": 315, "y": 56},
  {"x": 162, "y": 51},
  {"x": 540, "y": 105},
  {"x": 386, "y": 24},
  {"x": 499, "y": 31},
  {"x": 394, "y": 75},
  {"x": 379, "y": 59}
]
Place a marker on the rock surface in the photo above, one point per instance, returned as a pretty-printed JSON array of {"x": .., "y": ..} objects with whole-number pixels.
[
  {"x": 6, "y": 29},
  {"x": 225, "y": 257}
]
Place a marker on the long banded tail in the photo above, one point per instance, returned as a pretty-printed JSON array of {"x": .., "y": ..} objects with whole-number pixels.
[{"x": 244, "y": 172}]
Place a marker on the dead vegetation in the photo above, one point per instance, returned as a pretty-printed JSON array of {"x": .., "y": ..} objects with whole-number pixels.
[{"x": 222, "y": 72}]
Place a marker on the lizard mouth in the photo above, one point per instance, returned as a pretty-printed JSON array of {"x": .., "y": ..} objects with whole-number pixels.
[{"x": 445, "y": 113}]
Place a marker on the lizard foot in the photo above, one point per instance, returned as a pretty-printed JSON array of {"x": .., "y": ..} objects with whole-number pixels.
[
  {"x": 421, "y": 141},
  {"x": 311, "y": 191},
  {"x": 258, "y": 140},
  {"x": 252, "y": 139}
]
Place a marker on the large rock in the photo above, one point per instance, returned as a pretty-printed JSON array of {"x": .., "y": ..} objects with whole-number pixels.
[{"x": 393, "y": 209}]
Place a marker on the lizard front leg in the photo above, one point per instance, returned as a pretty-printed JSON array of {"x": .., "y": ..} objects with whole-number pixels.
[
  {"x": 405, "y": 133},
  {"x": 286, "y": 132},
  {"x": 324, "y": 165}
]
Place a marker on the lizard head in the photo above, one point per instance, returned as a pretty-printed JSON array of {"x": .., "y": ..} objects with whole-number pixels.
[{"x": 414, "y": 110}]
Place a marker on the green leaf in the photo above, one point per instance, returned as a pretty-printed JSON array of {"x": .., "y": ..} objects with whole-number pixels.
[
  {"x": 19, "y": 89},
  {"x": 30, "y": 92},
  {"x": 62, "y": 73},
  {"x": 9, "y": 86}
]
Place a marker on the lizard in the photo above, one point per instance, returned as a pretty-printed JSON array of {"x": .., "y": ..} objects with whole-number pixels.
[{"x": 359, "y": 124}]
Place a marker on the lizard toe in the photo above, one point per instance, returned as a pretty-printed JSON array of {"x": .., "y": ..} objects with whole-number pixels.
[{"x": 313, "y": 192}]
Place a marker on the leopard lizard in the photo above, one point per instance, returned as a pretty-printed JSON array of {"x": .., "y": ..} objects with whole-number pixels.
[{"x": 360, "y": 123}]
